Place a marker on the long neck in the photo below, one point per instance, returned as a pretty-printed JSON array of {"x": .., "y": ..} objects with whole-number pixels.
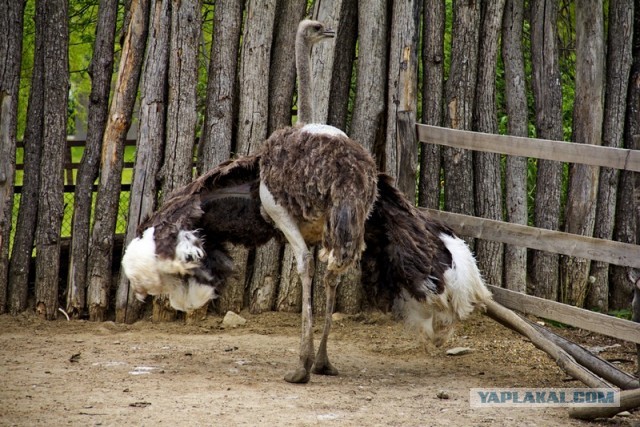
[{"x": 303, "y": 69}]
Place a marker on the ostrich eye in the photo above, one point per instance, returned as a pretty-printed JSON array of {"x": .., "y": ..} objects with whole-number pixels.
[{"x": 318, "y": 27}]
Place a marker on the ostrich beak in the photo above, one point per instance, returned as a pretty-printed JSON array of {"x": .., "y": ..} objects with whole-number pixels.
[{"x": 329, "y": 33}]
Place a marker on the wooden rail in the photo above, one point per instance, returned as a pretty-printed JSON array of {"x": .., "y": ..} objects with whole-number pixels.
[
  {"x": 617, "y": 158},
  {"x": 618, "y": 253},
  {"x": 612, "y": 252},
  {"x": 570, "y": 315}
]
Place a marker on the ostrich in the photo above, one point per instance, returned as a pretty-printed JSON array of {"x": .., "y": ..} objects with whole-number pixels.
[
  {"x": 315, "y": 186},
  {"x": 309, "y": 184}
]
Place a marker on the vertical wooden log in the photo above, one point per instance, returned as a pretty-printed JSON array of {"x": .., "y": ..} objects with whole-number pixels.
[
  {"x": 432, "y": 100},
  {"x": 345, "y": 41},
  {"x": 150, "y": 144},
  {"x": 322, "y": 60},
  {"x": 547, "y": 92},
  {"x": 487, "y": 168},
  {"x": 120, "y": 112},
  {"x": 252, "y": 130},
  {"x": 51, "y": 204},
  {"x": 459, "y": 99},
  {"x": 217, "y": 139},
  {"x": 618, "y": 68},
  {"x": 232, "y": 295},
  {"x": 515, "y": 257},
  {"x": 11, "y": 17},
  {"x": 220, "y": 118},
  {"x": 368, "y": 120},
  {"x": 177, "y": 169},
  {"x": 587, "y": 127},
  {"x": 401, "y": 150},
  {"x": 20, "y": 266},
  {"x": 101, "y": 72}
]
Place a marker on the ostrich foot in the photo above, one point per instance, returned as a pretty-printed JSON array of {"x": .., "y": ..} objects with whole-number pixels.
[
  {"x": 298, "y": 376},
  {"x": 324, "y": 369}
]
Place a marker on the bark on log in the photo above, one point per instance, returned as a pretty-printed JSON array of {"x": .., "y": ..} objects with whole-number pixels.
[
  {"x": 10, "y": 60},
  {"x": 216, "y": 141},
  {"x": 590, "y": 361},
  {"x": 629, "y": 399},
  {"x": 487, "y": 167},
  {"x": 588, "y": 112},
  {"x": 149, "y": 146},
  {"x": 512, "y": 321},
  {"x": 432, "y": 100},
  {"x": 368, "y": 120},
  {"x": 401, "y": 150},
  {"x": 459, "y": 99},
  {"x": 101, "y": 72},
  {"x": 253, "y": 123},
  {"x": 515, "y": 257},
  {"x": 100, "y": 251},
  {"x": 51, "y": 203},
  {"x": 177, "y": 168}
]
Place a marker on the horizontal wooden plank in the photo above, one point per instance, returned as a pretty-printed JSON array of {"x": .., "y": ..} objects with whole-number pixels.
[
  {"x": 618, "y": 158},
  {"x": 618, "y": 253},
  {"x": 567, "y": 314}
]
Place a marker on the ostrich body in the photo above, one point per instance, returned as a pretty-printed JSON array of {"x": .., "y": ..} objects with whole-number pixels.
[{"x": 312, "y": 185}]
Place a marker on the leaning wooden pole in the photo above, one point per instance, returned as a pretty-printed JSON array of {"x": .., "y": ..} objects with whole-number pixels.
[
  {"x": 590, "y": 361},
  {"x": 567, "y": 363},
  {"x": 629, "y": 399}
]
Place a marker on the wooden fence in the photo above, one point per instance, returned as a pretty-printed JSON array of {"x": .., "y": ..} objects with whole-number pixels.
[
  {"x": 612, "y": 252},
  {"x": 618, "y": 253}
]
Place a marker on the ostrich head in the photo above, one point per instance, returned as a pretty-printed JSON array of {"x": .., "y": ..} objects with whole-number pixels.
[{"x": 311, "y": 32}]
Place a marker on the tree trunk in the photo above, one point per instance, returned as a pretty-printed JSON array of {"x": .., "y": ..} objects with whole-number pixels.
[
  {"x": 547, "y": 93},
  {"x": 619, "y": 43},
  {"x": 368, "y": 120},
  {"x": 401, "y": 151},
  {"x": 56, "y": 82},
  {"x": 487, "y": 176},
  {"x": 282, "y": 75},
  {"x": 150, "y": 144},
  {"x": 177, "y": 169},
  {"x": 323, "y": 59},
  {"x": 253, "y": 124},
  {"x": 216, "y": 141},
  {"x": 106, "y": 210},
  {"x": 101, "y": 72},
  {"x": 232, "y": 295},
  {"x": 625, "y": 229},
  {"x": 587, "y": 127},
  {"x": 11, "y": 18},
  {"x": 432, "y": 99},
  {"x": 267, "y": 279},
  {"x": 460, "y": 98},
  {"x": 515, "y": 257},
  {"x": 345, "y": 41}
]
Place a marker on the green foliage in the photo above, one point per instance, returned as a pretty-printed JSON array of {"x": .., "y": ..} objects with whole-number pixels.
[{"x": 621, "y": 314}]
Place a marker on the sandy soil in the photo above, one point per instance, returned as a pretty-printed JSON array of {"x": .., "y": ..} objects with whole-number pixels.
[{"x": 82, "y": 373}]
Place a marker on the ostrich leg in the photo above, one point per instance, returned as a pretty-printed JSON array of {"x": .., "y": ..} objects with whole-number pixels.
[
  {"x": 304, "y": 263},
  {"x": 322, "y": 365}
]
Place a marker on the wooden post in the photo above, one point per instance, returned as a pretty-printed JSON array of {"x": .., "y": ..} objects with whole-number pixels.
[
  {"x": 629, "y": 399},
  {"x": 590, "y": 361},
  {"x": 512, "y": 321},
  {"x": 101, "y": 246}
]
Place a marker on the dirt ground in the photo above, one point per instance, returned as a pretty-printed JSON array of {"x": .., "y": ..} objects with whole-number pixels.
[{"x": 83, "y": 373}]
